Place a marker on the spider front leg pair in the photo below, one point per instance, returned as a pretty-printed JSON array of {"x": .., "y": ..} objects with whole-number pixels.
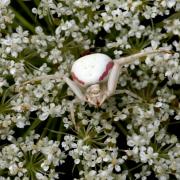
[{"x": 95, "y": 76}]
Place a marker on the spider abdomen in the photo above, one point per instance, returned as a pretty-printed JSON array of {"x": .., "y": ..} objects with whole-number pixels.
[{"x": 91, "y": 69}]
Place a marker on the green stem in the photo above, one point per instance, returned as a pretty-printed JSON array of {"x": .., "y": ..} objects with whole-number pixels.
[
  {"x": 37, "y": 2},
  {"x": 173, "y": 16},
  {"x": 61, "y": 127},
  {"x": 32, "y": 127},
  {"x": 46, "y": 128},
  {"x": 129, "y": 172},
  {"x": 172, "y": 123},
  {"x": 47, "y": 19},
  {"x": 26, "y": 9},
  {"x": 132, "y": 169},
  {"x": 123, "y": 130},
  {"x": 49, "y": 22},
  {"x": 169, "y": 147},
  {"x": 31, "y": 55},
  {"x": 53, "y": 125},
  {"x": 4, "y": 108},
  {"x": 23, "y": 20}
]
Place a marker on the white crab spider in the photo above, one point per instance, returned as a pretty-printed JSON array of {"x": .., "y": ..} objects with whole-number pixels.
[{"x": 95, "y": 76}]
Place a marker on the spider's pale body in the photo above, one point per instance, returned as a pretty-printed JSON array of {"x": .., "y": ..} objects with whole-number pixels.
[
  {"x": 91, "y": 69},
  {"x": 91, "y": 72}
]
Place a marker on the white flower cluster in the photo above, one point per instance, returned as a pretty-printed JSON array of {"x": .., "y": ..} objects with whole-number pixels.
[
  {"x": 134, "y": 125},
  {"x": 31, "y": 157},
  {"x": 6, "y": 15},
  {"x": 14, "y": 43},
  {"x": 41, "y": 41},
  {"x": 60, "y": 8},
  {"x": 173, "y": 26}
]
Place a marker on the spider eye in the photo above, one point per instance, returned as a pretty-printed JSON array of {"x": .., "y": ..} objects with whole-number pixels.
[{"x": 95, "y": 89}]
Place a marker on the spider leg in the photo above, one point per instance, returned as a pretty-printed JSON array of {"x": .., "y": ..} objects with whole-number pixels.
[
  {"x": 118, "y": 63},
  {"x": 71, "y": 107},
  {"x": 47, "y": 77},
  {"x": 113, "y": 79},
  {"x": 129, "y": 59},
  {"x": 75, "y": 88}
]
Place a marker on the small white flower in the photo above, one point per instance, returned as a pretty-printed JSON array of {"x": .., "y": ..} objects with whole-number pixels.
[
  {"x": 158, "y": 104},
  {"x": 77, "y": 161},
  {"x": 154, "y": 44},
  {"x": 13, "y": 169},
  {"x": 45, "y": 166},
  {"x": 171, "y": 3},
  {"x": 4, "y": 3},
  {"x": 136, "y": 140},
  {"x": 147, "y": 155},
  {"x": 40, "y": 176}
]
